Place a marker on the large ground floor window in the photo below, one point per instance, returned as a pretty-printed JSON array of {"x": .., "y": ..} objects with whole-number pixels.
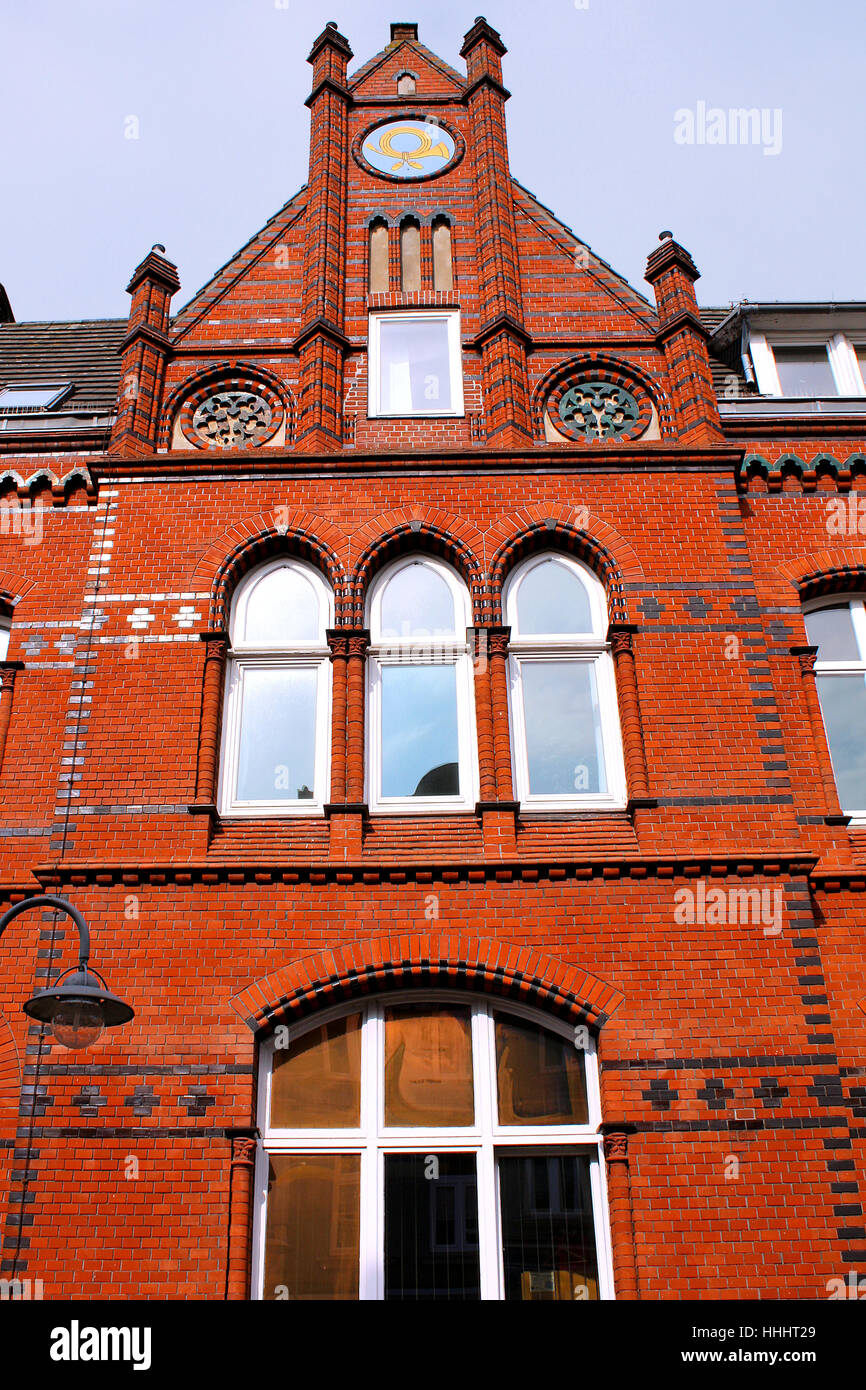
[{"x": 431, "y": 1147}]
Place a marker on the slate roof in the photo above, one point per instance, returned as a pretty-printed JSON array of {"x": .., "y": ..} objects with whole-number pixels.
[
  {"x": 85, "y": 354},
  {"x": 724, "y": 367}
]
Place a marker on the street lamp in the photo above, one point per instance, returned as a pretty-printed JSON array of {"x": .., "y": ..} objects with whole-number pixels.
[{"x": 79, "y": 1008}]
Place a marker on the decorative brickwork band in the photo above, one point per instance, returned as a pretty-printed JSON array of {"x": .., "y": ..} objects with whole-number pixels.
[
  {"x": 479, "y": 640},
  {"x": 8, "y": 672},
  {"x": 240, "y": 1215},
  {"x": 616, "y": 1135},
  {"x": 620, "y": 636},
  {"x": 338, "y": 642},
  {"x": 357, "y": 642},
  {"x": 216, "y": 647},
  {"x": 498, "y": 639},
  {"x": 806, "y": 659}
]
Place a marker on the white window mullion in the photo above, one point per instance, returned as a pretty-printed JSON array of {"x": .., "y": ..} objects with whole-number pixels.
[
  {"x": 844, "y": 366},
  {"x": 370, "y": 1229},
  {"x": 765, "y": 365}
]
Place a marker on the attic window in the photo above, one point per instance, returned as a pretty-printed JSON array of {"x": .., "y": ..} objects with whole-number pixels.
[
  {"x": 406, "y": 85},
  {"x": 35, "y": 396}
]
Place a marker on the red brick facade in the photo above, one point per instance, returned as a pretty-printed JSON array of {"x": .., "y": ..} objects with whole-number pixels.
[{"x": 715, "y": 1042}]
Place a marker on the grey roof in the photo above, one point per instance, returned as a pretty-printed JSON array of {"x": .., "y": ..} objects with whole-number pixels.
[{"x": 85, "y": 354}]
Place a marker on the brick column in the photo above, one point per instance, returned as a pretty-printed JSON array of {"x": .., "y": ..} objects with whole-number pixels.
[
  {"x": 619, "y": 1203},
  {"x": 498, "y": 639},
  {"x": 241, "y": 1179},
  {"x": 8, "y": 672},
  {"x": 683, "y": 339},
  {"x": 339, "y": 645},
  {"x": 358, "y": 642},
  {"x": 145, "y": 351},
  {"x": 827, "y": 792},
  {"x": 478, "y": 640},
  {"x": 620, "y": 636},
  {"x": 321, "y": 344},
  {"x": 503, "y": 339},
  {"x": 213, "y": 679}
]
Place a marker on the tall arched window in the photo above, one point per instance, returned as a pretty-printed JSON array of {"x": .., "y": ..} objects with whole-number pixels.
[
  {"x": 430, "y": 1146},
  {"x": 566, "y": 743},
  {"x": 276, "y": 725},
  {"x": 379, "y": 277},
  {"x": 410, "y": 254},
  {"x": 838, "y": 630},
  {"x": 421, "y": 711},
  {"x": 443, "y": 276}
]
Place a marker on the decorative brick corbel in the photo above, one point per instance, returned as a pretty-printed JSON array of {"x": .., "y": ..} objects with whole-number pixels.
[
  {"x": 8, "y": 672},
  {"x": 621, "y": 639},
  {"x": 616, "y": 1135},
  {"x": 213, "y": 680},
  {"x": 832, "y": 810},
  {"x": 241, "y": 1180}
]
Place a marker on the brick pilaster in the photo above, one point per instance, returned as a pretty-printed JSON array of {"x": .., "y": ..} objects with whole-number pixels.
[
  {"x": 145, "y": 351},
  {"x": 683, "y": 339}
]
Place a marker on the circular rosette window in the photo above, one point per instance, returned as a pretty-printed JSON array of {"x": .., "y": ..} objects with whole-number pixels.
[
  {"x": 600, "y": 408},
  {"x": 413, "y": 147},
  {"x": 231, "y": 415}
]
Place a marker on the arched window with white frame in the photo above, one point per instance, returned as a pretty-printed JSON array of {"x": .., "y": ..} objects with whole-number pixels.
[
  {"x": 421, "y": 707},
  {"x": 276, "y": 727},
  {"x": 430, "y": 1145},
  {"x": 837, "y": 627},
  {"x": 566, "y": 740}
]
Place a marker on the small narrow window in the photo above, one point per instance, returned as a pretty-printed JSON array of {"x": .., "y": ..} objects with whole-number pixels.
[
  {"x": 443, "y": 277},
  {"x": 405, "y": 85},
  {"x": 378, "y": 278},
  {"x": 410, "y": 255}
]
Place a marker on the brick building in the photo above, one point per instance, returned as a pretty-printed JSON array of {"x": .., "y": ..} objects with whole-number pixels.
[{"x": 436, "y": 671}]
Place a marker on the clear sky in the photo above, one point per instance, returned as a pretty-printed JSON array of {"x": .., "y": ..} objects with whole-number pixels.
[{"x": 611, "y": 124}]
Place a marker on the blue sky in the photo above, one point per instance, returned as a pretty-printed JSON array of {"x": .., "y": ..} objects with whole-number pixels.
[{"x": 599, "y": 91}]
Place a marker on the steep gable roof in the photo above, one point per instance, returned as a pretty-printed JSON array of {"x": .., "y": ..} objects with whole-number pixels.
[{"x": 409, "y": 51}]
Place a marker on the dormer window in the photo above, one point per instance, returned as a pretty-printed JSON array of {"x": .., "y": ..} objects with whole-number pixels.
[
  {"x": 797, "y": 365},
  {"x": 33, "y": 395}
]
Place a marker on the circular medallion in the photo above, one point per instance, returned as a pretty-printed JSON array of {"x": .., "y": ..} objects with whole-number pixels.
[
  {"x": 411, "y": 148},
  {"x": 231, "y": 419},
  {"x": 602, "y": 405}
]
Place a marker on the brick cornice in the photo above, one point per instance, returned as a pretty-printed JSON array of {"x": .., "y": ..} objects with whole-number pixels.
[
  {"x": 328, "y": 84},
  {"x": 486, "y": 80},
  {"x": 324, "y": 329},
  {"x": 503, "y": 323}
]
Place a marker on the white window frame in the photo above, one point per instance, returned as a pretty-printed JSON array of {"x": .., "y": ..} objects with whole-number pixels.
[
  {"x": 485, "y": 1138},
  {"x": 841, "y": 355},
  {"x": 455, "y": 361},
  {"x": 857, "y": 605},
  {"x": 5, "y": 634},
  {"x": 60, "y": 391},
  {"x": 309, "y": 654},
  {"x": 436, "y": 650},
  {"x": 588, "y": 648}
]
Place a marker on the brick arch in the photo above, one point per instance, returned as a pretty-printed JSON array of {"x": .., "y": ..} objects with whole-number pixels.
[
  {"x": 838, "y": 569},
  {"x": 10, "y": 1080},
  {"x": 236, "y": 374},
  {"x": 263, "y": 537},
  {"x": 432, "y": 532},
  {"x": 573, "y": 531},
  {"x": 620, "y": 367},
  {"x": 439, "y": 960},
  {"x": 13, "y": 588}
]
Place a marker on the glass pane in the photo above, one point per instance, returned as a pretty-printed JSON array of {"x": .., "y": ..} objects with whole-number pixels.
[
  {"x": 30, "y": 397},
  {"x": 415, "y": 367},
  {"x": 563, "y": 728},
  {"x": 431, "y": 1227},
  {"x": 417, "y": 602},
  {"x": 4, "y": 642},
  {"x": 832, "y": 632},
  {"x": 861, "y": 358},
  {"x": 804, "y": 371},
  {"x": 316, "y": 1080},
  {"x": 311, "y": 1240},
  {"x": 551, "y": 599},
  {"x": 548, "y": 1239},
  {"x": 420, "y": 754},
  {"x": 282, "y": 608},
  {"x": 276, "y": 759},
  {"x": 843, "y": 704},
  {"x": 428, "y": 1066},
  {"x": 540, "y": 1076}
]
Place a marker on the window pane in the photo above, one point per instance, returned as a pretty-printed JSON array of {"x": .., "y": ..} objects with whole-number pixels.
[
  {"x": 832, "y": 632},
  {"x": 540, "y": 1077},
  {"x": 428, "y": 1067},
  {"x": 30, "y": 397},
  {"x": 417, "y": 601},
  {"x": 420, "y": 754},
  {"x": 563, "y": 728},
  {"x": 415, "y": 367},
  {"x": 861, "y": 358},
  {"x": 804, "y": 371},
  {"x": 843, "y": 704},
  {"x": 4, "y": 642},
  {"x": 311, "y": 1242},
  {"x": 316, "y": 1081},
  {"x": 283, "y": 607},
  {"x": 276, "y": 760},
  {"x": 431, "y": 1227},
  {"x": 551, "y": 599},
  {"x": 548, "y": 1239}
]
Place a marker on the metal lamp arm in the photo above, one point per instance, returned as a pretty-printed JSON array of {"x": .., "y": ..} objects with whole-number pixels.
[{"x": 48, "y": 900}]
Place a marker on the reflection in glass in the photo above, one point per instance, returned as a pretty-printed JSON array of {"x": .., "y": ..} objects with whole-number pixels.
[
  {"x": 417, "y": 601},
  {"x": 282, "y": 608},
  {"x": 552, "y": 600},
  {"x": 420, "y": 748},
  {"x": 431, "y": 1227},
  {"x": 415, "y": 366},
  {"x": 316, "y": 1081},
  {"x": 804, "y": 371},
  {"x": 831, "y": 630},
  {"x": 548, "y": 1241},
  {"x": 311, "y": 1241},
  {"x": 540, "y": 1077},
  {"x": 843, "y": 705},
  {"x": 276, "y": 757},
  {"x": 428, "y": 1066},
  {"x": 563, "y": 728}
]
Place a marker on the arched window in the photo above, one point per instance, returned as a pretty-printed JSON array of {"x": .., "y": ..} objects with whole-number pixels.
[
  {"x": 566, "y": 743},
  {"x": 421, "y": 721},
  {"x": 379, "y": 279},
  {"x": 4, "y": 637},
  {"x": 838, "y": 629},
  {"x": 276, "y": 725},
  {"x": 410, "y": 254},
  {"x": 443, "y": 276},
  {"x": 430, "y": 1146},
  {"x": 406, "y": 84}
]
